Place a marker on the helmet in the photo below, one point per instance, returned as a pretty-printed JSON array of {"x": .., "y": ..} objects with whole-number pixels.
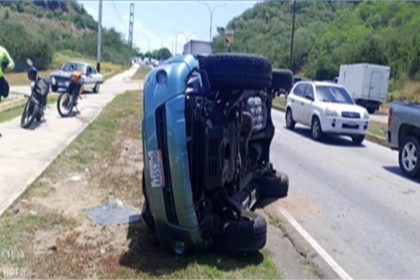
[
  {"x": 75, "y": 77},
  {"x": 32, "y": 73}
]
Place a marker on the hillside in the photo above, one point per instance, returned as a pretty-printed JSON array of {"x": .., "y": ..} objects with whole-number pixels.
[
  {"x": 332, "y": 33},
  {"x": 38, "y": 29}
]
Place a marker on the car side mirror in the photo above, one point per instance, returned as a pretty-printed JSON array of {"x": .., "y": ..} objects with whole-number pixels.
[{"x": 310, "y": 97}]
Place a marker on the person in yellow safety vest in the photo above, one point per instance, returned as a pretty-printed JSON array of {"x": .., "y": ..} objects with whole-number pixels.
[{"x": 6, "y": 63}]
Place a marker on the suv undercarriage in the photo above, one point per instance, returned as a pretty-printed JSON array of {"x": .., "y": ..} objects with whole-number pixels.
[{"x": 211, "y": 162}]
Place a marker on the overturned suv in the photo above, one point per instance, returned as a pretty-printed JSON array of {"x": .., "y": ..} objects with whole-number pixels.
[{"x": 207, "y": 131}]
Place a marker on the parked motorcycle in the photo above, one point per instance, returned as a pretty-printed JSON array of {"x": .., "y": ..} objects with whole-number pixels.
[
  {"x": 37, "y": 100},
  {"x": 67, "y": 101}
]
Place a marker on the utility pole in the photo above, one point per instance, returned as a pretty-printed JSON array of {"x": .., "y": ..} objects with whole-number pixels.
[
  {"x": 99, "y": 42},
  {"x": 131, "y": 26},
  {"x": 293, "y": 35}
]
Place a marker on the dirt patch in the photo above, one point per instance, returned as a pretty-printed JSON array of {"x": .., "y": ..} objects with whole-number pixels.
[{"x": 300, "y": 204}]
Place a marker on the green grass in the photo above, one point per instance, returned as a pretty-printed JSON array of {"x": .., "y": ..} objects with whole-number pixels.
[
  {"x": 99, "y": 144},
  {"x": 17, "y": 111},
  {"x": 378, "y": 129},
  {"x": 107, "y": 69},
  {"x": 141, "y": 72}
]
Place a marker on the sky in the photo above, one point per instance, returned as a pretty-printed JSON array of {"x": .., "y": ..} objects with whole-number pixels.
[{"x": 164, "y": 23}]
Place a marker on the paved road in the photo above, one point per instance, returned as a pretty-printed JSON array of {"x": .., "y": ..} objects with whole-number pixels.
[
  {"x": 353, "y": 201},
  {"x": 24, "y": 154}
]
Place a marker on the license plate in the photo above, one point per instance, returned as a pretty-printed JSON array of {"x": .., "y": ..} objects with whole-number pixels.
[
  {"x": 156, "y": 169},
  {"x": 351, "y": 125}
]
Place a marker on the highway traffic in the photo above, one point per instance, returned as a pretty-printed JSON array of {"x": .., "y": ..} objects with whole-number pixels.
[{"x": 353, "y": 200}]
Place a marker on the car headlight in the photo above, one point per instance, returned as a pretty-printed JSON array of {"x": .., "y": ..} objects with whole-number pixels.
[
  {"x": 53, "y": 80},
  {"x": 331, "y": 113},
  {"x": 366, "y": 115}
]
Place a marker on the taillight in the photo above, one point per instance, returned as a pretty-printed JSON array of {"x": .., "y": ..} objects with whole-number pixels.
[{"x": 390, "y": 118}]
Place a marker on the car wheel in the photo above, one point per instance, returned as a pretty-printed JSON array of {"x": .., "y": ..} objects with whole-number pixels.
[
  {"x": 246, "y": 234},
  {"x": 409, "y": 157},
  {"x": 97, "y": 87},
  {"x": 145, "y": 212},
  {"x": 274, "y": 185},
  {"x": 371, "y": 110},
  {"x": 316, "y": 129},
  {"x": 236, "y": 71},
  {"x": 282, "y": 79},
  {"x": 358, "y": 139},
  {"x": 290, "y": 123}
]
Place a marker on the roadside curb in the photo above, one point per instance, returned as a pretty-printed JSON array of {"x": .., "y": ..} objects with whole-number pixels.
[
  {"x": 12, "y": 104},
  {"x": 369, "y": 136}
]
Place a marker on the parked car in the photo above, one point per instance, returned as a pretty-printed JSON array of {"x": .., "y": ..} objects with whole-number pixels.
[
  {"x": 60, "y": 80},
  {"x": 207, "y": 131},
  {"x": 328, "y": 109},
  {"x": 404, "y": 135},
  {"x": 367, "y": 84}
]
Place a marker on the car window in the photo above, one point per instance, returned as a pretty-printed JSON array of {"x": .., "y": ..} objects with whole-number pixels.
[
  {"x": 300, "y": 90},
  {"x": 332, "y": 94},
  {"x": 71, "y": 66},
  {"x": 94, "y": 70},
  {"x": 309, "y": 92}
]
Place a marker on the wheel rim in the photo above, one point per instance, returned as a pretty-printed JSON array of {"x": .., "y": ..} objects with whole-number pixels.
[
  {"x": 28, "y": 113},
  {"x": 65, "y": 103},
  {"x": 410, "y": 156},
  {"x": 315, "y": 129}
]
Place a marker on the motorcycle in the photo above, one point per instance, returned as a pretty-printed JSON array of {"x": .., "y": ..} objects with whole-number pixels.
[
  {"x": 67, "y": 101},
  {"x": 37, "y": 100}
]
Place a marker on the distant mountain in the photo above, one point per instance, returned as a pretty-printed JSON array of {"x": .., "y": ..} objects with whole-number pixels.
[
  {"x": 331, "y": 33},
  {"x": 37, "y": 29}
]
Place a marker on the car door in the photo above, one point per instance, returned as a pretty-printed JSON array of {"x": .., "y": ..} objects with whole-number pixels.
[
  {"x": 89, "y": 83},
  {"x": 296, "y": 100},
  {"x": 307, "y": 104}
]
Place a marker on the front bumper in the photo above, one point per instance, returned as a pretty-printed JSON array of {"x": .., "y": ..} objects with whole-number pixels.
[{"x": 344, "y": 126}]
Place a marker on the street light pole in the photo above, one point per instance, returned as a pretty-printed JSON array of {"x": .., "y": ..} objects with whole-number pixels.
[
  {"x": 99, "y": 42},
  {"x": 293, "y": 35},
  {"x": 211, "y": 12}
]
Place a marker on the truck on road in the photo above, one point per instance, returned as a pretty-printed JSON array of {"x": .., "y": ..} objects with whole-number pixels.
[
  {"x": 404, "y": 136},
  {"x": 367, "y": 83},
  {"x": 195, "y": 47}
]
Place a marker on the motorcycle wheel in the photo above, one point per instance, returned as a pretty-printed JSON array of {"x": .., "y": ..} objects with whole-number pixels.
[
  {"x": 29, "y": 113},
  {"x": 65, "y": 105}
]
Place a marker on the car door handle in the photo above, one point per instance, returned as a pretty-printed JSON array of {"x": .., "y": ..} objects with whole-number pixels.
[{"x": 301, "y": 103}]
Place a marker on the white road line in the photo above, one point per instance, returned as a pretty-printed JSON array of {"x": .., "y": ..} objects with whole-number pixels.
[{"x": 328, "y": 259}]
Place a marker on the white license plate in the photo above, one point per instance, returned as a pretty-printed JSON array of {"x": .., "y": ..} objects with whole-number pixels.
[{"x": 157, "y": 176}]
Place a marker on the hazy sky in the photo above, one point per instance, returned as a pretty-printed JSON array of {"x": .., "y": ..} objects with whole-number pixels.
[{"x": 157, "y": 23}]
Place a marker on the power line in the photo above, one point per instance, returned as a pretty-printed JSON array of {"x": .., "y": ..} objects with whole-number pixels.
[{"x": 119, "y": 17}]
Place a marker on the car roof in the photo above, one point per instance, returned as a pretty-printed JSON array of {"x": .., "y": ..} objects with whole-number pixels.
[
  {"x": 77, "y": 62},
  {"x": 320, "y": 83}
]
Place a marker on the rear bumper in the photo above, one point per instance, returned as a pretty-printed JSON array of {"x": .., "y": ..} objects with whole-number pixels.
[{"x": 344, "y": 126}]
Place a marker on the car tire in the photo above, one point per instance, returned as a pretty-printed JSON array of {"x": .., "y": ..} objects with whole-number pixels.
[
  {"x": 282, "y": 79},
  {"x": 236, "y": 71},
  {"x": 290, "y": 122},
  {"x": 316, "y": 129},
  {"x": 409, "y": 157},
  {"x": 358, "y": 139},
  {"x": 274, "y": 185},
  {"x": 54, "y": 88},
  {"x": 97, "y": 88},
  {"x": 145, "y": 212},
  {"x": 371, "y": 110},
  {"x": 246, "y": 234}
]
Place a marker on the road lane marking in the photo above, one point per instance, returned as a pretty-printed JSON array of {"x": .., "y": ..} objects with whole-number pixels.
[{"x": 327, "y": 258}]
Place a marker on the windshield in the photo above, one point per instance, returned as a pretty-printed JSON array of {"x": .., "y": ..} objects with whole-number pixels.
[
  {"x": 70, "y": 67},
  {"x": 331, "y": 94}
]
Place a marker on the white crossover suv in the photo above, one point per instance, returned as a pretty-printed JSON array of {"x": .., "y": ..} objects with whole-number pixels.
[{"x": 328, "y": 109}]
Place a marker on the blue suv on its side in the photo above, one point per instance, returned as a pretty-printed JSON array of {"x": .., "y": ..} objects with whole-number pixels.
[{"x": 207, "y": 131}]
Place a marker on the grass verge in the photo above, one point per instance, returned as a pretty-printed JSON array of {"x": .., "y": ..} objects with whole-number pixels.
[
  {"x": 107, "y": 69},
  {"x": 141, "y": 72},
  {"x": 106, "y": 158},
  {"x": 17, "y": 111}
]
